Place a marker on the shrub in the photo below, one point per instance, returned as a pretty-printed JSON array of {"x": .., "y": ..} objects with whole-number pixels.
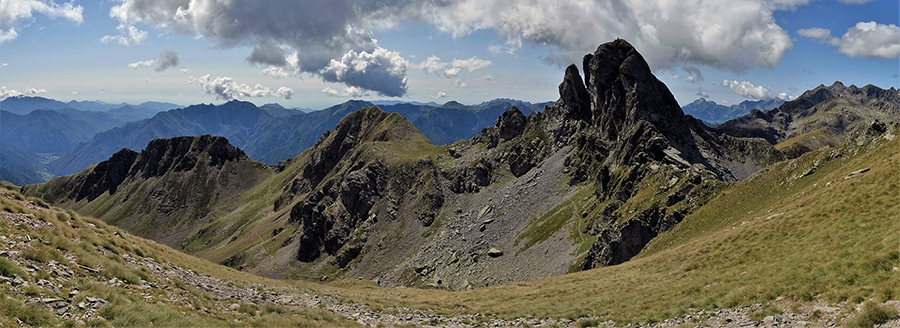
[
  {"x": 872, "y": 314},
  {"x": 9, "y": 269}
]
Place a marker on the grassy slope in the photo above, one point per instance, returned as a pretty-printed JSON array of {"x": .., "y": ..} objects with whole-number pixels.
[
  {"x": 773, "y": 235},
  {"x": 86, "y": 240}
]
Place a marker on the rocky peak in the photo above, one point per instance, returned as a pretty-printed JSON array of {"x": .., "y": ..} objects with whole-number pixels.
[
  {"x": 184, "y": 153},
  {"x": 511, "y": 123},
  {"x": 623, "y": 90}
]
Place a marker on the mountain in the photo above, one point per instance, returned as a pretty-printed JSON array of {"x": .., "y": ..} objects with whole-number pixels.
[
  {"x": 235, "y": 120},
  {"x": 165, "y": 191},
  {"x": 824, "y": 116},
  {"x": 44, "y": 131},
  {"x": 714, "y": 114},
  {"x": 277, "y": 110},
  {"x": 285, "y": 137},
  {"x": 92, "y": 106},
  {"x": 18, "y": 166},
  {"x": 22, "y": 105}
]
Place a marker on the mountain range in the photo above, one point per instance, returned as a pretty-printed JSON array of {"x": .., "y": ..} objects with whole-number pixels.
[
  {"x": 714, "y": 114},
  {"x": 270, "y": 133}
]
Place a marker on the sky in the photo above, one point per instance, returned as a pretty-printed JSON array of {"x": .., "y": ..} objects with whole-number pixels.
[{"x": 316, "y": 53}]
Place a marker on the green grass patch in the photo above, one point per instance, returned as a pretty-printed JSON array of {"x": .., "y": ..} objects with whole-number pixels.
[
  {"x": 9, "y": 268},
  {"x": 872, "y": 314}
]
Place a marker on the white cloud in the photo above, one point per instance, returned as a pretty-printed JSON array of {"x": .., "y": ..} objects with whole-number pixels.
[
  {"x": 185, "y": 70},
  {"x": 511, "y": 46},
  {"x": 275, "y": 72},
  {"x": 747, "y": 89},
  {"x": 439, "y": 95},
  {"x": 127, "y": 36},
  {"x": 331, "y": 92},
  {"x": 725, "y": 34},
  {"x": 817, "y": 33},
  {"x": 433, "y": 64},
  {"x": 33, "y": 91},
  {"x": 864, "y": 40},
  {"x": 5, "y": 64},
  {"x": 74, "y": 93},
  {"x": 143, "y": 63},
  {"x": 349, "y": 92},
  {"x": 226, "y": 88},
  {"x": 460, "y": 84},
  {"x": 12, "y": 12},
  {"x": 4, "y": 93},
  {"x": 381, "y": 70},
  {"x": 285, "y": 92}
]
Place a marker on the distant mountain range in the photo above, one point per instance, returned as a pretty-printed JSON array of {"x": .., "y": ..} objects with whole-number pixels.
[
  {"x": 714, "y": 114},
  {"x": 79, "y": 134}
]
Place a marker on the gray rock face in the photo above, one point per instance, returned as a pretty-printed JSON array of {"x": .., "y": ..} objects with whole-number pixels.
[{"x": 511, "y": 123}]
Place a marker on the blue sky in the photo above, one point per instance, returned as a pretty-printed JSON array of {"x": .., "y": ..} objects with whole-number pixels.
[{"x": 317, "y": 53}]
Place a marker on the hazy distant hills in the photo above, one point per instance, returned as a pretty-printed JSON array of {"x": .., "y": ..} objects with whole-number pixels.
[
  {"x": 272, "y": 133},
  {"x": 714, "y": 114},
  {"x": 37, "y": 127}
]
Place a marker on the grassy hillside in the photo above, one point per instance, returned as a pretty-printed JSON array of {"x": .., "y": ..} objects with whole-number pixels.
[{"x": 61, "y": 269}]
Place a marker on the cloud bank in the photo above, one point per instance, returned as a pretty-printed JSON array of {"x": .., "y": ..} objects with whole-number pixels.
[
  {"x": 225, "y": 88},
  {"x": 335, "y": 41},
  {"x": 864, "y": 40},
  {"x": 748, "y": 90}
]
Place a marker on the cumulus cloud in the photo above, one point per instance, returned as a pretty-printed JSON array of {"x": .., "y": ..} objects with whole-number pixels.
[
  {"x": 13, "y": 13},
  {"x": 349, "y": 92},
  {"x": 382, "y": 71},
  {"x": 433, "y": 64},
  {"x": 129, "y": 35},
  {"x": 731, "y": 35},
  {"x": 5, "y": 92},
  {"x": 267, "y": 54},
  {"x": 33, "y": 91},
  {"x": 285, "y": 92},
  {"x": 747, "y": 89},
  {"x": 439, "y": 95},
  {"x": 143, "y": 63},
  {"x": 226, "y": 88},
  {"x": 167, "y": 58},
  {"x": 275, "y": 72},
  {"x": 864, "y": 40},
  {"x": 185, "y": 70}
]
